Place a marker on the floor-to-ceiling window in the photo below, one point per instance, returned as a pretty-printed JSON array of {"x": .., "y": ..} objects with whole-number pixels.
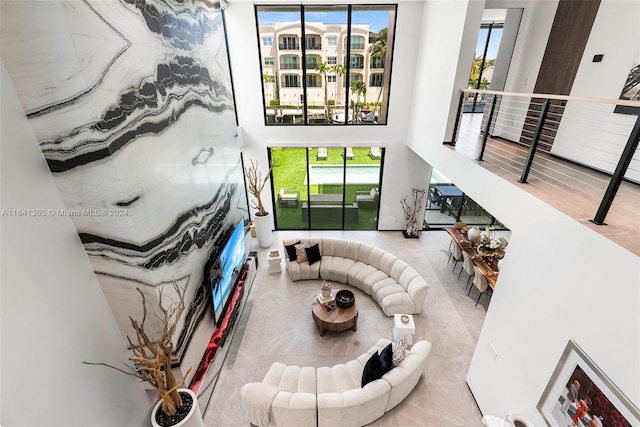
[
  {"x": 484, "y": 60},
  {"x": 332, "y": 188},
  {"x": 326, "y": 64},
  {"x": 447, "y": 204}
]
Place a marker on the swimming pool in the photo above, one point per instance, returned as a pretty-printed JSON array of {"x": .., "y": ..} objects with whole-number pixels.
[{"x": 332, "y": 174}]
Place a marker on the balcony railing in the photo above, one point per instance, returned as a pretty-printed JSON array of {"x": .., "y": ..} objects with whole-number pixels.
[
  {"x": 284, "y": 66},
  {"x": 581, "y": 154},
  {"x": 314, "y": 47},
  {"x": 282, "y": 46}
]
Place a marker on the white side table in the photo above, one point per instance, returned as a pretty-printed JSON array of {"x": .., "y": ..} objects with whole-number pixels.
[
  {"x": 400, "y": 328},
  {"x": 274, "y": 260}
]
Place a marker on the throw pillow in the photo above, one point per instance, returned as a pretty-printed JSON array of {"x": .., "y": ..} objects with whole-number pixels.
[
  {"x": 386, "y": 359},
  {"x": 372, "y": 370},
  {"x": 313, "y": 254},
  {"x": 374, "y": 194},
  {"x": 301, "y": 254},
  {"x": 399, "y": 350},
  {"x": 291, "y": 250}
]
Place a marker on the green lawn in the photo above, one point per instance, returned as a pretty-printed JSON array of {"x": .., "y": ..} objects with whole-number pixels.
[{"x": 290, "y": 170}]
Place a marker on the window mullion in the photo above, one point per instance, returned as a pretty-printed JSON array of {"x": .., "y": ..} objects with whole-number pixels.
[
  {"x": 303, "y": 42},
  {"x": 347, "y": 68}
]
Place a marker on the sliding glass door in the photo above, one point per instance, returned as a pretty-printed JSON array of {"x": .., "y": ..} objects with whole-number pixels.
[{"x": 322, "y": 188}]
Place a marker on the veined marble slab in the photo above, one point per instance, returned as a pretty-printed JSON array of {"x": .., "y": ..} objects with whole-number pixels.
[{"x": 132, "y": 104}]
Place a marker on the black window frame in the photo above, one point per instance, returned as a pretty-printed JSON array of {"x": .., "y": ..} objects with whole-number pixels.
[{"x": 301, "y": 44}]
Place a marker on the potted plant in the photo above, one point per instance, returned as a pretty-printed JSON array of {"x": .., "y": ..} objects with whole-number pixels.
[
  {"x": 487, "y": 245},
  {"x": 411, "y": 212},
  {"x": 151, "y": 362},
  {"x": 256, "y": 184}
]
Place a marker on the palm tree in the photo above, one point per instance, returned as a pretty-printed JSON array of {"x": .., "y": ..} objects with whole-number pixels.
[
  {"x": 358, "y": 88},
  {"x": 379, "y": 50},
  {"x": 268, "y": 79},
  {"x": 340, "y": 70},
  {"x": 475, "y": 70},
  {"x": 323, "y": 70}
]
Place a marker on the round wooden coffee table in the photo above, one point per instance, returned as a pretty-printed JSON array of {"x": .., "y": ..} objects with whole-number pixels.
[{"x": 338, "y": 319}]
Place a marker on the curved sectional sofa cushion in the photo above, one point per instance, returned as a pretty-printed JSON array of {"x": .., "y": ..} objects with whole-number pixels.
[
  {"x": 291, "y": 250},
  {"x": 392, "y": 283},
  {"x": 339, "y": 399},
  {"x": 294, "y": 403},
  {"x": 313, "y": 254}
]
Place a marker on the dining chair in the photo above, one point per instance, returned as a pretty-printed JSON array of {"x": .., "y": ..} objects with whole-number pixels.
[
  {"x": 456, "y": 254},
  {"x": 503, "y": 242},
  {"x": 480, "y": 282},
  {"x": 434, "y": 199},
  {"x": 458, "y": 226},
  {"x": 467, "y": 266}
]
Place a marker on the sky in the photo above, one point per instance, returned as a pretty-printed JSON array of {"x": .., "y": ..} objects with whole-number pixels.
[
  {"x": 494, "y": 42},
  {"x": 376, "y": 19}
]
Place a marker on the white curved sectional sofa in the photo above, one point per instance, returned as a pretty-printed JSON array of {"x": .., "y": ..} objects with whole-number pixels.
[
  {"x": 332, "y": 396},
  {"x": 391, "y": 282}
]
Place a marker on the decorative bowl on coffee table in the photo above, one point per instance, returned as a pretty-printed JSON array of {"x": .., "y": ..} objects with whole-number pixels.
[{"x": 345, "y": 298}]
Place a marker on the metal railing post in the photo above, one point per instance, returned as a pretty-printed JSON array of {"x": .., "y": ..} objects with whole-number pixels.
[
  {"x": 618, "y": 175},
  {"x": 486, "y": 129},
  {"x": 459, "y": 210},
  {"x": 456, "y": 125},
  {"x": 534, "y": 142}
]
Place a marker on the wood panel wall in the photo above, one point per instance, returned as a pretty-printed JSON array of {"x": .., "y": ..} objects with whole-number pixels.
[{"x": 565, "y": 47}]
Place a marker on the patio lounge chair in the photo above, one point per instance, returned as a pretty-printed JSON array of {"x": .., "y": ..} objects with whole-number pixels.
[
  {"x": 322, "y": 153},
  {"x": 288, "y": 198},
  {"x": 350, "y": 154},
  {"x": 367, "y": 199},
  {"x": 374, "y": 153}
]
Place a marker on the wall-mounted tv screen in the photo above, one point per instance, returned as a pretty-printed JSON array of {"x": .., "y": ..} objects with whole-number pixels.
[{"x": 226, "y": 269}]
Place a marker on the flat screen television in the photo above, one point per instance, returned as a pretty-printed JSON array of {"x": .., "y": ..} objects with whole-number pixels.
[{"x": 225, "y": 271}]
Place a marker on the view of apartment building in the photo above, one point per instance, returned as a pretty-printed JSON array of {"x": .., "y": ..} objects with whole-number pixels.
[{"x": 281, "y": 50}]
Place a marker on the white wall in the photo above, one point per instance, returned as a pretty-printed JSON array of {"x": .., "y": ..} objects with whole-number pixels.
[
  {"x": 599, "y": 140},
  {"x": 243, "y": 47},
  {"x": 531, "y": 43},
  {"x": 560, "y": 280},
  {"x": 444, "y": 62},
  {"x": 54, "y": 314}
]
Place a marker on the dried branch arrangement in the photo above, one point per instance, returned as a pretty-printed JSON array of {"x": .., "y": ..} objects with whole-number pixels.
[
  {"x": 256, "y": 185},
  {"x": 412, "y": 210},
  {"x": 152, "y": 359}
]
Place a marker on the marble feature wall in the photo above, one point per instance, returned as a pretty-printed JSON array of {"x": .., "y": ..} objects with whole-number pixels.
[{"x": 131, "y": 102}]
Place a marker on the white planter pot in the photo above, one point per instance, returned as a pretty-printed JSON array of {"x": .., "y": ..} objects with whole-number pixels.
[
  {"x": 193, "y": 419},
  {"x": 263, "y": 230}
]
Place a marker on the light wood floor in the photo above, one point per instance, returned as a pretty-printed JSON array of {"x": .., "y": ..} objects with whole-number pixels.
[{"x": 572, "y": 189}]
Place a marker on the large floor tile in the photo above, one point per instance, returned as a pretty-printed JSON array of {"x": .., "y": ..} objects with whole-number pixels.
[{"x": 276, "y": 325}]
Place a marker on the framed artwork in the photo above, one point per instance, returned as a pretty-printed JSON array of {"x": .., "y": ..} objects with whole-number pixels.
[
  {"x": 580, "y": 394},
  {"x": 631, "y": 90}
]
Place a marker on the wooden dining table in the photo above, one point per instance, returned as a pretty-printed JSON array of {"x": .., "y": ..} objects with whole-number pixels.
[{"x": 488, "y": 264}]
